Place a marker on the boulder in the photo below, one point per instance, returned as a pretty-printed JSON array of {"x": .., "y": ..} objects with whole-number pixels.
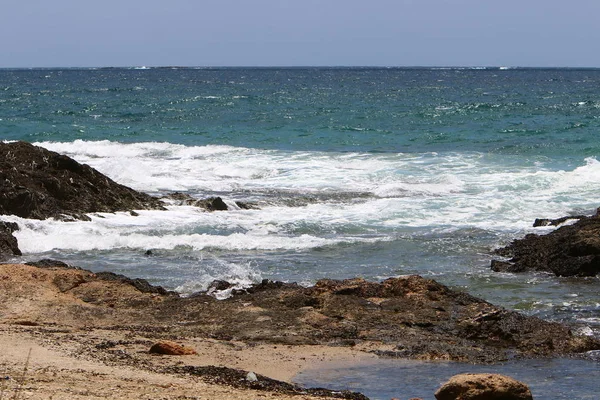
[
  {"x": 483, "y": 387},
  {"x": 571, "y": 250},
  {"x": 209, "y": 204},
  {"x": 38, "y": 183},
  {"x": 172, "y": 349},
  {"x": 8, "y": 243}
]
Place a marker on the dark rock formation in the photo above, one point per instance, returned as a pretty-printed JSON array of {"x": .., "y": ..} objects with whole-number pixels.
[
  {"x": 38, "y": 183},
  {"x": 140, "y": 284},
  {"x": 212, "y": 204},
  {"x": 8, "y": 243},
  {"x": 409, "y": 317},
  {"x": 483, "y": 387},
  {"x": 50, "y": 263},
  {"x": 244, "y": 205},
  {"x": 571, "y": 250},
  {"x": 209, "y": 204},
  {"x": 238, "y": 378},
  {"x": 418, "y": 317}
]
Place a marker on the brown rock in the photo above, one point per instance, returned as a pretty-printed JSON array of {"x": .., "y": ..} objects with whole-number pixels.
[
  {"x": 483, "y": 387},
  {"x": 171, "y": 348}
]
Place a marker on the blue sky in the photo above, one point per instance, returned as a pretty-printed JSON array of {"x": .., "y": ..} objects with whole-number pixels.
[{"x": 79, "y": 33}]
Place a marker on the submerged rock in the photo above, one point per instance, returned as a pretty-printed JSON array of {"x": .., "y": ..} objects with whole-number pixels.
[
  {"x": 571, "y": 250},
  {"x": 38, "y": 183},
  {"x": 483, "y": 387}
]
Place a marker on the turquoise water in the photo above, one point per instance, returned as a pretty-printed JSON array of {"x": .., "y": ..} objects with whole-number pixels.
[
  {"x": 371, "y": 172},
  {"x": 525, "y": 112}
]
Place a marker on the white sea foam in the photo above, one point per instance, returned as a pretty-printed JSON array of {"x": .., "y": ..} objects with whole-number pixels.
[{"x": 445, "y": 191}]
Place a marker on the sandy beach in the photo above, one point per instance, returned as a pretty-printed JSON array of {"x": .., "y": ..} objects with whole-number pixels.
[
  {"x": 60, "y": 368},
  {"x": 45, "y": 357}
]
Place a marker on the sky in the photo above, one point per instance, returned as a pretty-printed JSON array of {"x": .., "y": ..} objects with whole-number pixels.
[{"x": 84, "y": 33}]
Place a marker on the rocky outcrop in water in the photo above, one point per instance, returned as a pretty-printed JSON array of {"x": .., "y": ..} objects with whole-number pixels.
[
  {"x": 571, "y": 250},
  {"x": 38, "y": 183},
  {"x": 8, "y": 243},
  {"x": 483, "y": 387},
  {"x": 208, "y": 204}
]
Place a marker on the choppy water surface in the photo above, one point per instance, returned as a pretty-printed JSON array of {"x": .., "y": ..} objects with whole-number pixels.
[{"x": 355, "y": 172}]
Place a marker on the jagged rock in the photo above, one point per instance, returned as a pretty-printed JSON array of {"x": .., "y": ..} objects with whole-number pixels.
[
  {"x": 171, "y": 348},
  {"x": 38, "y": 183},
  {"x": 218, "y": 285},
  {"x": 483, "y": 387},
  {"x": 140, "y": 284},
  {"x": 244, "y": 205},
  {"x": 209, "y": 204},
  {"x": 9, "y": 246},
  {"x": 555, "y": 222},
  {"x": 571, "y": 250},
  {"x": 212, "y": 204},
  {"x": 417, "y": 318},
  {"x": 49, "y": 263}
]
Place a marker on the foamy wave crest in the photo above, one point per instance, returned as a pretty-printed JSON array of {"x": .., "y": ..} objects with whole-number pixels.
[
  {"x": 393, "y": 191},
  {"x": 114, "y": 231},
  {"x": 238, "y": 275}
]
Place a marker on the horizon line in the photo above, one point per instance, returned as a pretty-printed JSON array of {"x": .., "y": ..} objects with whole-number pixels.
[{"x": 145, "y": 67}]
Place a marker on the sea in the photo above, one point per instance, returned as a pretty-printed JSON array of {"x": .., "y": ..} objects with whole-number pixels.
[{"x": 352, "y": 172}]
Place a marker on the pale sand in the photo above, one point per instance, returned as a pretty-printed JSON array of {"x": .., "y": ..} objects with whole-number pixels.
[
  {"x": 58, "y": 368},
  {"x": 76, "y": 352}
]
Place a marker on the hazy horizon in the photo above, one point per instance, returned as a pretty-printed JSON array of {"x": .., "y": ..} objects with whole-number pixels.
[{"x": 286, "y": 33}]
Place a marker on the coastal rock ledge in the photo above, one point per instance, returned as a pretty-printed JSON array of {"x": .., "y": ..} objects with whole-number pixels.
[
  {"x": 571, "y": 250},
  {"x": 38, "y": 183},
  {"x": 407, "y": 317}
]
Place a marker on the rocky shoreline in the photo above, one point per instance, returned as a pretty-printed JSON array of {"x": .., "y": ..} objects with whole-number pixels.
[
  {"x": 571, "y": 250},
  {"x": 112, "y": 319}
]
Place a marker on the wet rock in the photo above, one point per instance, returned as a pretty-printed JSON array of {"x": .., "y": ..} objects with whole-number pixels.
[
  {"x": 212, "y": 204},
  {"x": 408, "y": 317},
  {"x": 218, "y": 285},
  {"x": 140, "y": 284},
  {"x": 238, "y": 378},
  {"x": 483, "y": 387},
  {"x": 38, "y": 183},
  {"x": 555, "y": 222},
  {"x": 244, "y": 205},
  {"x": 9, "y": 247},
  {"x": 171, "y": 348},
  {"x": 50, "y": 263},
  {"x": 571, "y": 250},
  {"x": 209, "y": 204}
]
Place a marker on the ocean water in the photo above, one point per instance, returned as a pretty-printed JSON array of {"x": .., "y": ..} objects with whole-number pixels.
[{"x": 371, "y": 172}]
